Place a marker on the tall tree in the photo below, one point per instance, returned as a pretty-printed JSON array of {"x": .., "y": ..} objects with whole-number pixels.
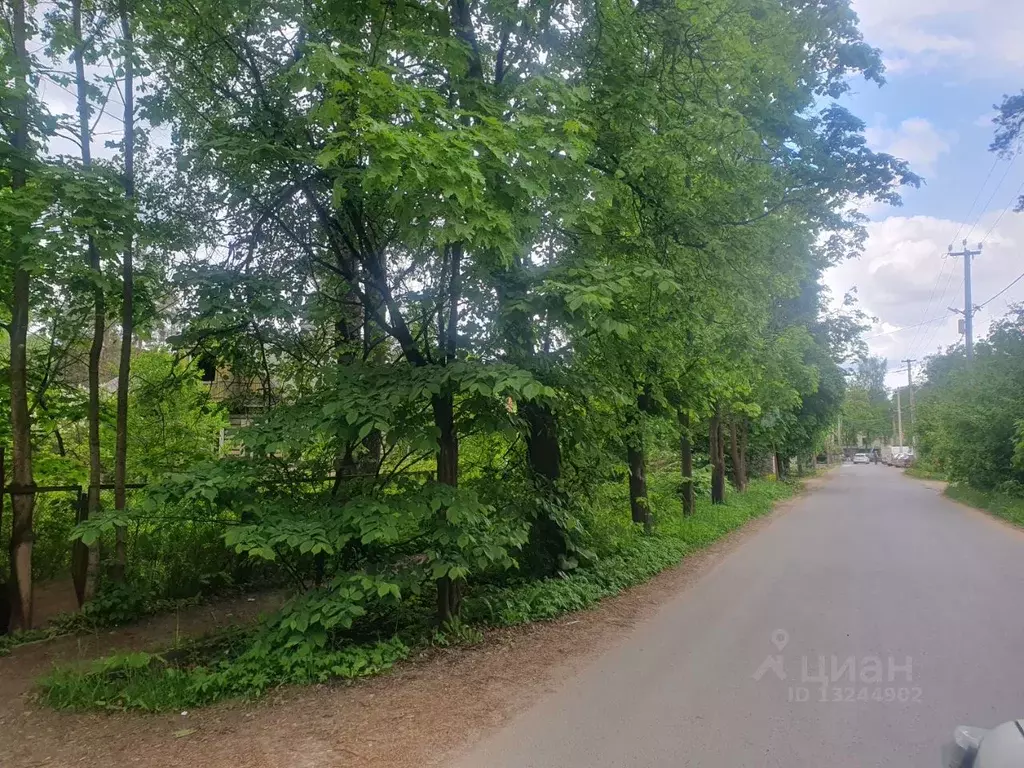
[
  {"x": 99, "y": 323},
  {"x": 127, "y": 286},
  {"x": 22, "y": 489}
]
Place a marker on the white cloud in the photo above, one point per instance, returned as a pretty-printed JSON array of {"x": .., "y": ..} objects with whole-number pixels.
[
  {"x": 982, "y": 36},
  {"x": 904, "y": 278},
  {"x": 985, "y": 121},
  {"x": 897, "y": 64},
  {"x": 915, "y": 140}
]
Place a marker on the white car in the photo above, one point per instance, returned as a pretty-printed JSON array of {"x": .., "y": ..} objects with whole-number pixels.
[{"x": 861, "y": 458}]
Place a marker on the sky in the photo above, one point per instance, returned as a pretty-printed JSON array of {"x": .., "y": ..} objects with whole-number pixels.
[{"x": 948, "y": 63}]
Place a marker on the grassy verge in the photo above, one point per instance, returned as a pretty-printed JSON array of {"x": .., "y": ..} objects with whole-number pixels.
[
  {"x": 923, "y": 473},
  {"x": 245, "y": 664},
  {"x": 1009, "y": 508}
]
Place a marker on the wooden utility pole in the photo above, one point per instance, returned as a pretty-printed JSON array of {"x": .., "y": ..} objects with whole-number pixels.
[
  {"x": 969, "y": 308},
  {"x": 899, "y": 417}
]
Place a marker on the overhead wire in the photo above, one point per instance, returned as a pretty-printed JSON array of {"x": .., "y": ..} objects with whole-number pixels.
[
  {"x": 977, "y": 220},
  {"x": 1004, "y": 290},
  {"x": 905, "y": 328},
  {"x": 918, "y": 336}
]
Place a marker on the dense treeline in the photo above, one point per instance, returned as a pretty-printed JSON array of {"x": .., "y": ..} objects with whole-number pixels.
[
  {"x": 971, "y": 414},
  {"x": 459, "y": 266}
]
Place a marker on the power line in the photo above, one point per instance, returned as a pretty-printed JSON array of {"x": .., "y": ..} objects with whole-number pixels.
[
  {"x": 938, "y": 278},
  {"x": 995, "y": 162},
  {"x": 942, "y": 300},
  {"x": 988, "y": 202},
  {"x": 931, "y": 297},
  {"x": 945, "y": 290},
  {"x": 906, "y": 327},
  {"x": 1008, "y": 287},
  {"x": 999, "y": 218}
]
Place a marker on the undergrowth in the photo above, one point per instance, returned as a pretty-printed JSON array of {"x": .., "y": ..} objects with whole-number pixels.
[
  {"x": 1010, "y": 508},
  {"x": 246, "y": 664},
  {"x": 923, "y": 472}
]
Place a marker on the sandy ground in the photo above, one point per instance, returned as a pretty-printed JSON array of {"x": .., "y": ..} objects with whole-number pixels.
[{"x": 419, "y": 715}]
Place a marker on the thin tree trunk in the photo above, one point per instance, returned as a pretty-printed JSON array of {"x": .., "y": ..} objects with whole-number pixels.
[
  {"x": 449, "y": 590},
  {"x": 373, "y": 349},
  {"x": 447, "y": 474},
  {"x": 717, "y": 459},
  {"x": 637, "y": 457},
  {"x": 686, "y": 462},
  {"x": 744, "y": 434},
  {"x": 547, "y": 543},
  {"x": 638, "y": 505},
  {"x": 23, "y": 487},
  {"x": 739, "y": 473},
  {"x": 127, "y": 296},
  {"x": 99, "y": 306}
]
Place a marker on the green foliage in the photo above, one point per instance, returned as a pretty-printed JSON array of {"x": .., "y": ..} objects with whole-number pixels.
[
  {"x": 453, "y": 275},
  {"x": 1009, "y": 507},
  {"x": 201, "y": 674},
  {"x": 637, "y": 558},
  {"x": 304, "y": 642},
  {"x": 967, "y": 415},
  {"x": 923, "y": 471}
]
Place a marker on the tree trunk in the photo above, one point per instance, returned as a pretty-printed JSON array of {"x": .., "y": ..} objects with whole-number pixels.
[
  {"x": 739, "y": 471},
  {"x": 99, "y": 305},
  {"x": 744, "y": 434},
  {"x": 447, "y": 474},
  {"x": 780, "y": 467},
  {"x": 686, "y": 462},
  {"x": 638, "y": 504},
  {"x": 449, "y": 592},
  {"x": 717, "y": 459},
  {"x": 23, "y": 487},
  {"x": 546, "y": 547},
  {"x": 543, "y": 453},
  {"x": 127, "y": 297}
]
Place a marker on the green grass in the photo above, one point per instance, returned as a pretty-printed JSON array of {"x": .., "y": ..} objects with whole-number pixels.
[
  {"x": 638, "y": 559},
  {"x": 245, "y": 665},
  {"x": 922, "y": 472},
  {"x": 1010, "y": 508},
  {"x": 193, "y": 675}
]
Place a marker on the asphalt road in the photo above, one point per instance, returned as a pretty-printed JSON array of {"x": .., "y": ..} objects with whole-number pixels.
[{"x": 871, "y": 565}]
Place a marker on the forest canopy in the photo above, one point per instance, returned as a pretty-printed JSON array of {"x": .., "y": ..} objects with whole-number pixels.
[{"x": 380, "y": 298}]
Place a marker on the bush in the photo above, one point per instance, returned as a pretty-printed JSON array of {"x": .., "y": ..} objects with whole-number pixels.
[
  {"x": 325, "y": 633},
  {"x": 204, "y": 672}
]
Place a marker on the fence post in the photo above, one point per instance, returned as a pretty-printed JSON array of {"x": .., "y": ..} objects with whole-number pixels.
[{"x": 79, "y": 552}]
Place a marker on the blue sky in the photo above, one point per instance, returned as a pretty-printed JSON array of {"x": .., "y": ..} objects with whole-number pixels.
[{"x": 947, "y": 67}]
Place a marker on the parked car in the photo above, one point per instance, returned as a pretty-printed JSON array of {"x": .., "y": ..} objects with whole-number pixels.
[
  {"x": 903, "y": 460},
  {"x": 861, "y": 458}
]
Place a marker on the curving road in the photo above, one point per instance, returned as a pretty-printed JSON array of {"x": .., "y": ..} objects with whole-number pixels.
[{"x": 927, "y": 597}]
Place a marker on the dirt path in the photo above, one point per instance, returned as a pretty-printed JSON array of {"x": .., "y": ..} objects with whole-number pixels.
[{"x": 416, "y": 716}]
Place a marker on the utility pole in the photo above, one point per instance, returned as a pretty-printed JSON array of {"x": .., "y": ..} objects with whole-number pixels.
[
  {"x": 910, "y": 387},
  {"x": 969, "y": 308},
  {"x": 899, "y": 416}
]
